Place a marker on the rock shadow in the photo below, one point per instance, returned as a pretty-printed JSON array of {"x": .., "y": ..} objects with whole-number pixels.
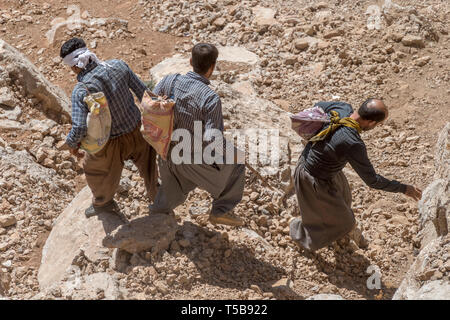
[
  {"x": 349, "y": 271},
  {"x": 111, "y": 220},
  {"x": 225, "y": 264}
]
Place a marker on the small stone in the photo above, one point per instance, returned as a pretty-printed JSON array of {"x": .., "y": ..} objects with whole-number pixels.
[
  {"x": 264, "y": 16},
  {"x": 309, "y": 30},
  {"x": 427, "y": 275},
  {"x": 220, "y": 22},
  {"x": 333, "y": 33},
  {"x": 301, "y": 44},
  {"x": 7, "y": 221},
  {"x": 4, "y": 246},
  {"x": 198, "y": 210},
  {"x": 26, "y": 18},
  {"x": 284, "y": 283},
  {"x": 254, "y": 196},
  {"x": 290, "y": 60},
  {"x": 422, "y": 61},
  {"x": 413, "y": 41},
  {"x": 256, "y": 288},
  {"x": 161, "y": 287}
]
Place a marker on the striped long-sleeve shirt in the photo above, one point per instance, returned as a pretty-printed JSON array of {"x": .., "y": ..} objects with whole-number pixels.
[
  {"x": 196, "y": 105},
  {"x": 115, "y": 80},
  {"x": 326, "y": 158}
]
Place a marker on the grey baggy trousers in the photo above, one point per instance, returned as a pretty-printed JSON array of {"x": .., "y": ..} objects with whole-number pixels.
[{"x": 225, "y": 183}]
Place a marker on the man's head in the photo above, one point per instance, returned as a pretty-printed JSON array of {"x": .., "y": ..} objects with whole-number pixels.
[
  {"x": 371, "y": 113},
  {"x": 204, "y": 58},
  {"x": 70, "y": 46}
]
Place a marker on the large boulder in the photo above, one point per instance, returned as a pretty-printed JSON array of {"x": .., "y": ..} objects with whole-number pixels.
[
  {"x": 73, "y": 235},
  {"x": 20, "y": 68},
  {"x": 180, "y": 63},
  {"x": 154, "y": 232},
  {"x": 429, "y": 275},
  {"x": 96, "y": 286},
  {"x": 13, "y": 160},
  {"x": 264, "y": 16}
]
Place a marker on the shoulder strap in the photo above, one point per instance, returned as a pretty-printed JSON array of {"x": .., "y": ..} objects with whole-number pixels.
[
  {"x": 86, "y": 87},
  {"x": 103, "y": 64},
  {"x": 172, "y": 87}
]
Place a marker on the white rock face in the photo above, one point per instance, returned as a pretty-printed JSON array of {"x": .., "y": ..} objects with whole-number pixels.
[
  {"x": 237, "y": 55},
  {"x": 35, "y": 84},
  {"x": 12, "y": 125},
  {"x": 176, "y": 64},
  {"x": 73, "y": 234},
  {"x": 24, "y": 162},
  {"x": 10, "y": 114},
  {"x": 424, "y": 281},
  {"x": 434, "y": 290},
  {"x": 43, "y": 126}
]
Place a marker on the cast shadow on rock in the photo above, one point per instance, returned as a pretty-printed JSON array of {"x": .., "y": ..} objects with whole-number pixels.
[
  {"x": 220, "y": 262},
  {"x": 225, "y": 264},
  {"x": 350, "y": 271}
]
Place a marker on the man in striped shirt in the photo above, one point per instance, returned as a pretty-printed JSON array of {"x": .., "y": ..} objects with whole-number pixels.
[
  {"x": 198, "y": 119},
  {"x": 103, "y": 169}
]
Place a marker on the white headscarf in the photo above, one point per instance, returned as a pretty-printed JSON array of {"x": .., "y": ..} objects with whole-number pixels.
[{"x": 80, "y": 58}]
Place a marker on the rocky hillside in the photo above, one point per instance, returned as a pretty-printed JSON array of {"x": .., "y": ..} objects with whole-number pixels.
[{"x": 275, "y": 57}]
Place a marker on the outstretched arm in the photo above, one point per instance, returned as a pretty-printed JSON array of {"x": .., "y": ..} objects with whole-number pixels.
[{"x": 361, "y": 164}]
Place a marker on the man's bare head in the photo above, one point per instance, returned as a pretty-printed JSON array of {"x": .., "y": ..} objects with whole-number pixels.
[{"x": 372, "y": 112}]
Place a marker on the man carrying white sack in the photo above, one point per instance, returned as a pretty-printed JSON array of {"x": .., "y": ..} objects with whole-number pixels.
[
  {"x": 103, "y": 169},
  {"x": 194, "y": 161}
]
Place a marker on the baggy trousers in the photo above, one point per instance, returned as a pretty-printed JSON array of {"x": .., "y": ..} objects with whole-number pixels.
[
  {"x": 225, "y": 183},
  {"x": 103, "y": 169}
]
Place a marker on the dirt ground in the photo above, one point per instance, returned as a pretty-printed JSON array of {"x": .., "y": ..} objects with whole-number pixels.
[{"x": 418, "y": 101}]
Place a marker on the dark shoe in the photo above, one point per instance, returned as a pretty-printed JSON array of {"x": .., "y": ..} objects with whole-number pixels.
[
  {"x": 228, "y": 219},
  {"x": 92, "y": 211}
]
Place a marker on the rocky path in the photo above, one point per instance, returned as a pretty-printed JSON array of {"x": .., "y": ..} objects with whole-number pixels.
[{"x": 275, "y": 58}]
